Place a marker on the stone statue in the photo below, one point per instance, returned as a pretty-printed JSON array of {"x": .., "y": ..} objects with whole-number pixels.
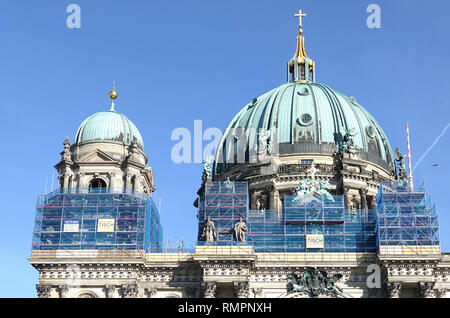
[
  {"x": 228, "y": 184},
  {"x": 314, "y": 282},
  {"x": 348, "y": 141},
  {"x": 209, "y": 230},
  {"x": 260, "y": 204},
  {"x": 264, "y": 145},
  {"x": 401, "y": 166},
  {"x": 207, "y": 168},
  {"x": 307, "y": 188},
  {"x": 240, "y": 229}
]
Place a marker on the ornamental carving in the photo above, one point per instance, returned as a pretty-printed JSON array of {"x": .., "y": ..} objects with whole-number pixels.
[
  {"x": 209, "y": 289},
  {"x": 393, "y": 289},
  {"x": 426, "y": 290},
  {"x": 43, "y": 291},
  {"x": 241, "y": 289},
  {"x": 314, "y": 282},
  {"x": 130, "y": 290}
]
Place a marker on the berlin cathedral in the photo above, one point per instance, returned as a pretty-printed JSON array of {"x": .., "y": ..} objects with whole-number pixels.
[{"x": 304, "y": 197}]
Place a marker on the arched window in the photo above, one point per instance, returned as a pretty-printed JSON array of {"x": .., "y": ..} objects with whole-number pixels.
[{"x": 97, "y": 183}]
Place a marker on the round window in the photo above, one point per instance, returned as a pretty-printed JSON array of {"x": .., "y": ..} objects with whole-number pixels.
[
  {"x": 305, "y": 119},
  {"x": 303, "y": 91}
]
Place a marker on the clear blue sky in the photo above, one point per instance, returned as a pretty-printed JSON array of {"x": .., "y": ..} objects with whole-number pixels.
[{"x": 177, "y": 61}]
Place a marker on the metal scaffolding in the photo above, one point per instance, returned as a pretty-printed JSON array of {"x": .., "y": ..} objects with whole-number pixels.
[
  {"x": 286, "y": 231},
  {"x": 96, "y": 219},
  {"x": 407, "y": 220}
]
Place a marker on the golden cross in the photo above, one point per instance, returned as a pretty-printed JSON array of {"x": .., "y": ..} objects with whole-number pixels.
[{"x": 300, "y": 15}]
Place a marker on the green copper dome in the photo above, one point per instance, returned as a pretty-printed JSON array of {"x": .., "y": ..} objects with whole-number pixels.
[
  {"x": 108, "y": 125},
  {"x": 309, "y": 118}
]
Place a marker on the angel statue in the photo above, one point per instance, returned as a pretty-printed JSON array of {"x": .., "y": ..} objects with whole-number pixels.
[
  {"x": 264, "y": 136},
  {"x": 348, "y": 141}
]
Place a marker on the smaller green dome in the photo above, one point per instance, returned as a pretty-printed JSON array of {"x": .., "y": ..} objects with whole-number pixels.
[{"x": 108, "y": 125}]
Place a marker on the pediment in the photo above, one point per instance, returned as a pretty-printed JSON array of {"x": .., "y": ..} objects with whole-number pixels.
[{"x": 96, "y": 157}]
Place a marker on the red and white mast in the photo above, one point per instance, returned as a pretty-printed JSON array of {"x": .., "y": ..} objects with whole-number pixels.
[{"x": 409, "y": 159}]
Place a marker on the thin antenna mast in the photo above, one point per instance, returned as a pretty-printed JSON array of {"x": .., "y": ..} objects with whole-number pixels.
[{"x": 409, "y": 159}]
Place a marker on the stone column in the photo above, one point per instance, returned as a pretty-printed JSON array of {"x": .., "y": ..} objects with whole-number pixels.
[
  {"x": 274, "y": 200},
  {"x": 130, "y": 291},
  {"x": 426, "y": 290},
  {"x": 253, "y": 198},
  {"x": 43, "y": 291},
  {"x": 363, "y": 199},
  {"x": 128, "y": 186},
  {"x": 373, "y": 202},
  {"x": 209, "y": 289},
  {"x": 137, "y": 183},
  {"x": 110, "y": 289},
  {"x": 393, "y": 289},
  {"x": 346, "y": 199},
  {"x": 63, "y": 290},
  {"x": 241, "y": 289},
  {"x": 66, "y": 180},
  {"x": 81, "y": 180},
  {"x": 112, "y": 181}
]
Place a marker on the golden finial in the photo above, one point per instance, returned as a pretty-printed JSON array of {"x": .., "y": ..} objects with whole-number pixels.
[
  {"x": 300, "y": 15},
  {"x": 113, "y": 95}
]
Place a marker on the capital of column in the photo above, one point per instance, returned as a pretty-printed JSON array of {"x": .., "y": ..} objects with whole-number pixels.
[
  {"x": 110, "y": 289},
  {"x": 63, "y": 290},
  {"x": 393, "y": 289},
  {"x": 209, "y": 289},
  {"x": 43, "y": 291},
  {"x": 241, "y": 289},
  {"x": 426, "y": 289},
  {"x": 130, "y": 290}
]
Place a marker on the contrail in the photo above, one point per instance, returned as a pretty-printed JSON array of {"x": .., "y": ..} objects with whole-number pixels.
[{"x": 432, "y": 146}]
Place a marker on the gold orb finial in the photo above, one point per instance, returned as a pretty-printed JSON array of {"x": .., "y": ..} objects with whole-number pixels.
[{"x": 113, "y": 94}]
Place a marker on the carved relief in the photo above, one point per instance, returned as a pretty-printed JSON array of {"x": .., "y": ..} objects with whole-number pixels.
[
  {"x": 241, "y": 289},
  {"x": 209, "y": 289},
  {"x": 130, "y": 290},
  {"x": 426, "y": 290},
  {"x": 43, "y": 291},
  {"x": 393, "y": 289}
]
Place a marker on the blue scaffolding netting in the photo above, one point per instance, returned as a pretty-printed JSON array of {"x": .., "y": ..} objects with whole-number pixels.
[
  {"x": 401, "y": 218},
  {"x": 407, "y": 220},
  {"x": 96, "y": 219},
  {"x": 286, "y": 231}
]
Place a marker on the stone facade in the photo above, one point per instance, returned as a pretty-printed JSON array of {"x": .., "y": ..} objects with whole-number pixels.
[
  {"x": 235, "y": 272},
  {"x": 118, "y": 165}
]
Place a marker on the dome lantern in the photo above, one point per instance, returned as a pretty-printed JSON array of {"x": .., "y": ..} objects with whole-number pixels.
[{"x": 301, "y": 67}]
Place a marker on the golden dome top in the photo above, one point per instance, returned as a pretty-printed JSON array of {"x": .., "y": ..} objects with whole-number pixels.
[{"x": 113, "y": 94}]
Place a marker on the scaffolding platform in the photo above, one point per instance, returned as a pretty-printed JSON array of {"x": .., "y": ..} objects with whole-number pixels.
[
  {"x": 407, "y": 220},
  {"x": 96, "y": 219},
  {"x": 319, "y": 218}
]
